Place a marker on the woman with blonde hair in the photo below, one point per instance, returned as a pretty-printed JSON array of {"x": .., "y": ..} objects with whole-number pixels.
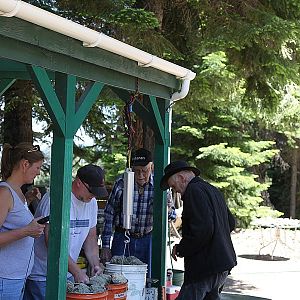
[{"x": 19, "y": 165}]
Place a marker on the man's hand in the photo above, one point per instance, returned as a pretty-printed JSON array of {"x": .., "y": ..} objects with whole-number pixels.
[
  {"x": 80, "y": 276},
  {"x": 97, "y": 270},
  {"x": 105, "y": 255}
]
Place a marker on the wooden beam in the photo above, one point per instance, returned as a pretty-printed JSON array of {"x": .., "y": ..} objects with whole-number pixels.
[
  {"x": 29, "y": 54},
  {"x": 22, "y": 31},
  {"x": 49, "y": 97},
  {"x": 160, "y": 130},
  {"x": 5, "y": 84}
]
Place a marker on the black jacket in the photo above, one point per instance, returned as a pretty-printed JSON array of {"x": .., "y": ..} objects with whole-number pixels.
[{"x": 206, "y": 225}]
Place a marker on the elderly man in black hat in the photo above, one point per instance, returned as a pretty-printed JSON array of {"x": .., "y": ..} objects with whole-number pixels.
[
  {"x": 206, "y": 225},
  {"x": 86, "y": 187}
]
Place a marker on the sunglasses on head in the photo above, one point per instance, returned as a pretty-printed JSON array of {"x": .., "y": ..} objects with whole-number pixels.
[
  {"x": 87, "y": 187},
  {"x": 34, "y": 149}
]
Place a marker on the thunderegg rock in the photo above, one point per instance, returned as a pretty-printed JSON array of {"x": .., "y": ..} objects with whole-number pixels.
[
  {"x": 95, "y": 288},
  {"x": 121, "y": 260},
  {"x": 118, "y": 278},
  {"x": 81, "y": 288},
  {"x": 101, "y": 279},
  {"x": 132, "y": 260},
  {"x": 97, "y": 284}
]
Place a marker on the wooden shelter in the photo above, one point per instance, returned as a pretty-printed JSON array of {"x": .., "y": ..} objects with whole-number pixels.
[{"x": 55, "y": 54}]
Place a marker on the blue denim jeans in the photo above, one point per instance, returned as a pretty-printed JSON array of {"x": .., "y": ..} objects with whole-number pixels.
[
  {"x": 35, "y": 290},
  {"x": 206, "y": 289},
  {"x": 140, "y": 248},
  {"x": 11, "y": 289}
]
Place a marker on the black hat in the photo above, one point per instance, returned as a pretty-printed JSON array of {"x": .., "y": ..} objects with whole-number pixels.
[
  {"x": 141, "y": 157},
  {"x": 94, "y": 177},
  {"x": 173, "y": 168}
]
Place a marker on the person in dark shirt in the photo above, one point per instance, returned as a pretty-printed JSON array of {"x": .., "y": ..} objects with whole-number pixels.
[
  {"x": 33, "y": 195},
  {"x": 206, "y": 225}
]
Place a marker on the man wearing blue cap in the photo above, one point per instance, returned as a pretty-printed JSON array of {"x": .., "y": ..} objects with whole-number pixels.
[
  {"x": 88, "y": 185},
  {"x": 206, "y": 225}
]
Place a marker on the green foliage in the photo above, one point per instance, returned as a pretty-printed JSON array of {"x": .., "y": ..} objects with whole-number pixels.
[
  {"x": 214, "y": 86},
  {"x": 114, "y": 164},
  {"x": 246, "y": 56},
  {"x": 121, "y": 19},
  {"x": 265, "y": 211},
  {"x": 135, "y": 17},
  {"x": 260, "y": 40},
  {"x": 104, "y": 124},
  {"x": 229, "y": 168},
  {"x": 188, "y": 130},
  {"x": 286, "y": 119}
]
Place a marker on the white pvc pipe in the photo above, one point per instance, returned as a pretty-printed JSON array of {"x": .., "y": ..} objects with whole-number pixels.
[
  {"x": 185, "y": 86},
  {"x": 89, "y": 37}
]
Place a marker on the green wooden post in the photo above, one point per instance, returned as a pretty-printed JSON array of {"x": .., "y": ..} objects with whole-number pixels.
[
  {"x": 60, "y": 194},
  {"x": 5, "y": 84},
  {"x": 67, "y": 118},
  {"x": 61, "y": 168},
  {"x": 161, "y": 154}
]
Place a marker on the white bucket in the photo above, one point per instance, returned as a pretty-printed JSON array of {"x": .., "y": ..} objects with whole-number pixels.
[{"x": 136, "y": 276}]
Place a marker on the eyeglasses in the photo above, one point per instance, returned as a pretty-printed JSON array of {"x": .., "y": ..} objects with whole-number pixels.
[
  {"x": 34, "y": 149},
  {"x": 141, "y": 170},
  {"x": 87, "y": 187}
]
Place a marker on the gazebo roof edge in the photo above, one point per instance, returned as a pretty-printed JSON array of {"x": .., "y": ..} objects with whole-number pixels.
[{"x": 90, "y": 37}]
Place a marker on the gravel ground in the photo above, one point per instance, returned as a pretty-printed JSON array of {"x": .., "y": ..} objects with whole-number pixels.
[
  {"x": 272, "y": 277},
  {"x": 265, "y": 276}
]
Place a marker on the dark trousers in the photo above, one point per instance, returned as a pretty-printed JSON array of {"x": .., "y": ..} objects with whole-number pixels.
[
  {"x": 206, "y": 289},
  {"x": 140, "y": 248},
  {"x": 35, "y": 290}
]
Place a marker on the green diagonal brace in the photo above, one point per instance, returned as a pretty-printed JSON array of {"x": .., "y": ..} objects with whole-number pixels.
[
  {"x": 49, "y": 97},
  {"x": 158, "y": 118},
  {"x": 85, "y": 103},
  {"x": 5, "y": 84}
]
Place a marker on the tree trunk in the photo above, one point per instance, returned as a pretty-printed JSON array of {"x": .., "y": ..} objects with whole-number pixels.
[
  {"x": 293, "y": 183},
  {"x": 143, "y": 137},
  {"x": 156, "y": 6},
  {"x": 17, "y": 126},
  {"x": 149, "y": 139},
  {"x": 138, "y": 134}
]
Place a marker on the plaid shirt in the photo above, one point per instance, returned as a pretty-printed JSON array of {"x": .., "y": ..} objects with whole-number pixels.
[{"x": 142, "y": 219}]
